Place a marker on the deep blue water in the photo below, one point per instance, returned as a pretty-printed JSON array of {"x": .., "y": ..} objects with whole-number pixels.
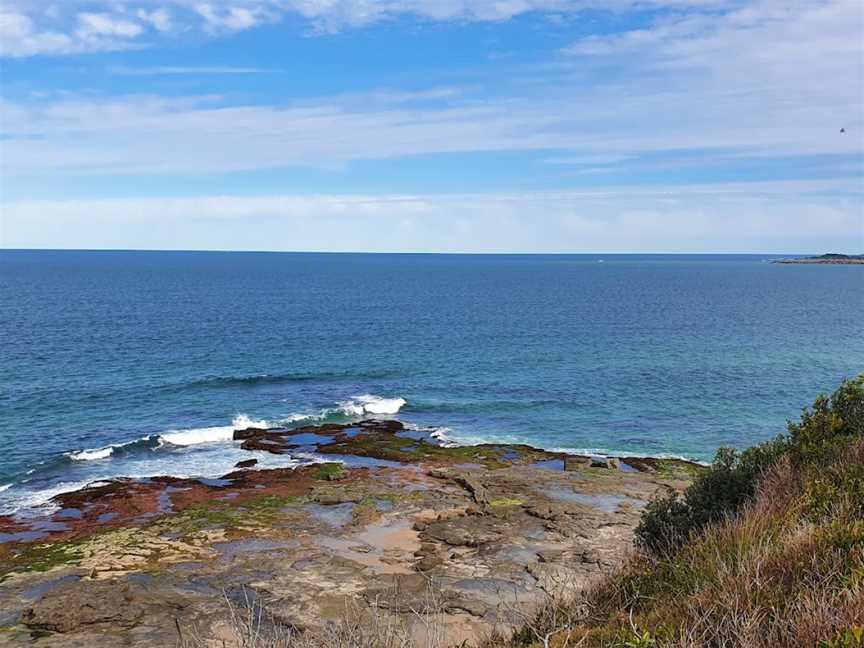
[{"x": 635, "y": 354}]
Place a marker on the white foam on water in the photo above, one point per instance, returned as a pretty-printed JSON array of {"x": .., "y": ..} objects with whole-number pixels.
[
  {"x": 38, "y": 502},
  {"x": 204, "y": 460},
  {"x": 198, "y": 436},
  {"x": 371, "y": 404},
  {"x": 92, "y": 454},
  {"x": 5, "y": 487},
  {"x": 442, "y": 436}
]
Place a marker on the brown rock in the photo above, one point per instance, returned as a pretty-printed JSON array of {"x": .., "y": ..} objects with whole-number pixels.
[
  {"x": 246, "y": 463},
  {"x": 88, "y": 604},
  {"x": 248, "y": 433},
  {"x": 429, "y": 562},
  {"x": 550, "y": 555},
  {"x": 576, "y": 463}
]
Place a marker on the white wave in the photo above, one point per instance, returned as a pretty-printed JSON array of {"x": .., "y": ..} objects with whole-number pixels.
[
  {"x": 5, "y": 487},
  {"x": 38, "y": 502},
  {"x": 371, "y": 404},
  {"x": 441, "y": 435},
  {"x": 197, "y": 436},
  {"x": 91, "y": 455}
]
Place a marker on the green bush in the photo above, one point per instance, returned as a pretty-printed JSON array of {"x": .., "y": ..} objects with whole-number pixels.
[{"x": 668, "y": 522}]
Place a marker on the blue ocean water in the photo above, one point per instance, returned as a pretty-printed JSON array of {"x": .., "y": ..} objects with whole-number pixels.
[{"x": 142, "y": 360}]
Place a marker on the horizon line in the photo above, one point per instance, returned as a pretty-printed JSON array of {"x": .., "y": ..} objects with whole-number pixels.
[{"x": 427, "y": 253}]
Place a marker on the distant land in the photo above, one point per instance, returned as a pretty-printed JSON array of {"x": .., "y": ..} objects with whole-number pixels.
[{"x": 832, "y": 258}]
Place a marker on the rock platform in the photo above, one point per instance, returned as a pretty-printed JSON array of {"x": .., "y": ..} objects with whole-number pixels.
[{"x": 474, "y": 535}]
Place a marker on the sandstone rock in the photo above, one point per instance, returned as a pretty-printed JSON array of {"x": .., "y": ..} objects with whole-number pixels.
[
  {"x": 550, "y": 555},
  {"x": 576, "y": 463},
  {"x": 466, "y": 531},
  {"x": 425, "y": 549},
  {"x": 88, "y": 604},
  {"x": 475, "y": 487},
  {"x": 429, "y": 562}
]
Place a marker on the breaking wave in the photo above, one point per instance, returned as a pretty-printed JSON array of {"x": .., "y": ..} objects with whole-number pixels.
[
  {"x": 371, "y": 404},
  {"x": 355, "y": 407},
  {"x": 196, "y": 436}
]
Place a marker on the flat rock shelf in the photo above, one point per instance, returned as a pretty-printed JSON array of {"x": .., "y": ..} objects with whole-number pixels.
[{"x": 393, "y": 521}]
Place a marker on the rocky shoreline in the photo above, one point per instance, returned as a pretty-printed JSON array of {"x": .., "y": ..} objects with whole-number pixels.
[
  {"x": 825, "y": 259},
  {"x": 394, "y": 521}
]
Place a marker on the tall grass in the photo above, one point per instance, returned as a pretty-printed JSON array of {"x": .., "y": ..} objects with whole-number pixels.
[{"x": 781, "y": 568}]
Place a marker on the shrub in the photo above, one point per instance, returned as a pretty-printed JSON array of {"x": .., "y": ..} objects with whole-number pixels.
[{"x": 731, "y": 482}]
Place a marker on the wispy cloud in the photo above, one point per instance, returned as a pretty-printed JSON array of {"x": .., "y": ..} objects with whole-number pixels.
[
  {"x": 588, "y": 160},
  {"x": 781, "y": 217},
  {"x": 169, "y": 70},
  {"x": 45, "y": 27}
]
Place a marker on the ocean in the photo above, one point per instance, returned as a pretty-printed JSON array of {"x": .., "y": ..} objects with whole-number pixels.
[{"x": 143, "y": 363}]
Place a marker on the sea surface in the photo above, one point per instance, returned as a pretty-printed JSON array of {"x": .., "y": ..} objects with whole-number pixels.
[{"x": 143, "y": 363}]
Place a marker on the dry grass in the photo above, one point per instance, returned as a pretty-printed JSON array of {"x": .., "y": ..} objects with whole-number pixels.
[
  {"x": 248, "y": 624},
  {"x": 787, "y": 571}
]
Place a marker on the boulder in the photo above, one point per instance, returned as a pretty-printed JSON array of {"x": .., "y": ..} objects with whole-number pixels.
[
  {"x": 246, "y": 463},
  {"x": 248, "y": 433}
]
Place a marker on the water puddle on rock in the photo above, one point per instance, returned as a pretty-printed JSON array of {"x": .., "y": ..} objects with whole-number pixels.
[
  {"x": 603, "y": 501},
  {"x": 309, "y": 439},
  {"x": 230, "y": 550},
  {"x": 337, "y": 516},
  {"x": 41, "y": 589},
  {"x": 549, "y": 464},
  {"x": 385, "y": 546}
]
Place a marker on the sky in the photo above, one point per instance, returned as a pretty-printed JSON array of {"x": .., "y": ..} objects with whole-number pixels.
[{"x": 433, "y": 125}]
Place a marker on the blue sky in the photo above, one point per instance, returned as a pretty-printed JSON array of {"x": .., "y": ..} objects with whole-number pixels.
[{"x": 433, "y": 125}]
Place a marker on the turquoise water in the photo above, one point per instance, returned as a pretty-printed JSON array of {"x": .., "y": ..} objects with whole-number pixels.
[{"x": 144, "y": 359}]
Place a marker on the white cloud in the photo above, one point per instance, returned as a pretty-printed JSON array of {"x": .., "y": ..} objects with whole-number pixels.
[
  {"x": 781, "y": 218},
  {"x": 233, "y": 18},
  {"x": 95, "y": 25},
  {"x": 19, "y": 37},
  {"x": 48, "y": 27},
  {"x": 160, "y": 19}
]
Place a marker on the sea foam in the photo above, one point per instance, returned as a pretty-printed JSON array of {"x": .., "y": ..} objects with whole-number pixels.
[
  {"x": 371, "y": 404},
  {"x": 92, "y": 454},
  {"x": 197, "y": 436}
]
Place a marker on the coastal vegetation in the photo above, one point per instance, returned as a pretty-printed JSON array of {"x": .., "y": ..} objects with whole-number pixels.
[{"x": 764, "y": 550}]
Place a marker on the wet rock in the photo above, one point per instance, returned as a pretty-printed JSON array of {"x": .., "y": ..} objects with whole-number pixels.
[
  {"x": 85, "y": 605},
  {"x": 610, "y": 463},
  {"x": 248, "y": 433},
  {"x": 246, "y": 463},
  {"x": 330, "y": 498}
]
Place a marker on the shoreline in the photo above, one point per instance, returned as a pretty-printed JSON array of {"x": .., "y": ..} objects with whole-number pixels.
[
  {"x": 432, "y": 435},
  {"x": 400, "y": 512}
]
